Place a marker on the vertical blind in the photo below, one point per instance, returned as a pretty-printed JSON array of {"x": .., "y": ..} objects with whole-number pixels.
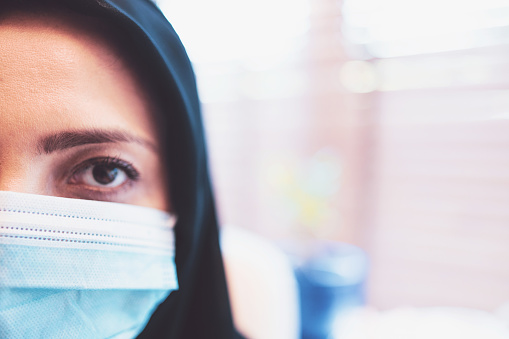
[{"x": 438, "y": 224}]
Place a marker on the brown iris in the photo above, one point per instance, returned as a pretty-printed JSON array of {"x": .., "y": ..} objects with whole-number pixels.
[{"x": 104, "y": 174}]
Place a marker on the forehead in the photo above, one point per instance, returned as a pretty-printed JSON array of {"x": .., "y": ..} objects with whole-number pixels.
[
  {"x": 59, "y": 35},
  {"x": 61, "y": 68},
  {"x": 46, "y": 47}
]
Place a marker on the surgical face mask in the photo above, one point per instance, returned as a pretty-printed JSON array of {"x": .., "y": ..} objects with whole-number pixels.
[{"x": 72, "y": 268}]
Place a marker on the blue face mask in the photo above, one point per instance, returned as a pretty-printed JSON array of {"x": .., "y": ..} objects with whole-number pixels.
[{"x": 72, "y": 268}]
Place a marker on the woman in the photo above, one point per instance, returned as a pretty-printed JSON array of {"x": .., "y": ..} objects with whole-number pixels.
[{"x": 98, "y": 102}]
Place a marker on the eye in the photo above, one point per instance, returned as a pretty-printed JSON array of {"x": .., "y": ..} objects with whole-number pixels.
[{"x": 104, "y": 173}]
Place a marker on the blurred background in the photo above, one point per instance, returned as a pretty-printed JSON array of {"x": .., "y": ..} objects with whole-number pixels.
[{"x": 382, "y": 124}]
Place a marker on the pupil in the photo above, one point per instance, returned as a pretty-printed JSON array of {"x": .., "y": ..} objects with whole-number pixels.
[{"x": 104, "y": 174}]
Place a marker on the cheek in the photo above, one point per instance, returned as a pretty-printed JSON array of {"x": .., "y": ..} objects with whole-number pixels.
[{"x": 154, "y": 193}]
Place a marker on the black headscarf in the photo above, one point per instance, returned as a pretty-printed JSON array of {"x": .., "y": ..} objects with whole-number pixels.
[{"x": 200, "y": 308}]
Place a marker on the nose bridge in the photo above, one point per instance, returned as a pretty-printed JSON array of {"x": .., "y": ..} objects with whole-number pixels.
[
  {"x": 15, "y": 173},
  {"x": 19, "y": 160}
]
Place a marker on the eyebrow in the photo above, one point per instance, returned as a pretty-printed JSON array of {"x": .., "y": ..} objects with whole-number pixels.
[{"x": 68, "y": 139}]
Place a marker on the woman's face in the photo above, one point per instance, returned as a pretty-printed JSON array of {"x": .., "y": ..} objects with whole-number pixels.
[{"x": 74, "y": 120}]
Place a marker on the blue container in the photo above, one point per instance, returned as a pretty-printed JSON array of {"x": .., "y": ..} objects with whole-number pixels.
[{"x": 331, "y": 282}]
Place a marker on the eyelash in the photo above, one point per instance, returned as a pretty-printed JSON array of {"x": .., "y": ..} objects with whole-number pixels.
[{"x": 125, "y": 166}]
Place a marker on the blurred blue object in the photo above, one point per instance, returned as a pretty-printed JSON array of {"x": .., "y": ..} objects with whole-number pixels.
[{"x": 331, "y": 282}]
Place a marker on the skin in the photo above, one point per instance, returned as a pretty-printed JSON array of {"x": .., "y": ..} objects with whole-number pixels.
[{"x": 73, "y": 115}]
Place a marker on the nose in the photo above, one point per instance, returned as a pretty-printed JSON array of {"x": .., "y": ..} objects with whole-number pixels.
[{"x": 17, "y": 175}]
